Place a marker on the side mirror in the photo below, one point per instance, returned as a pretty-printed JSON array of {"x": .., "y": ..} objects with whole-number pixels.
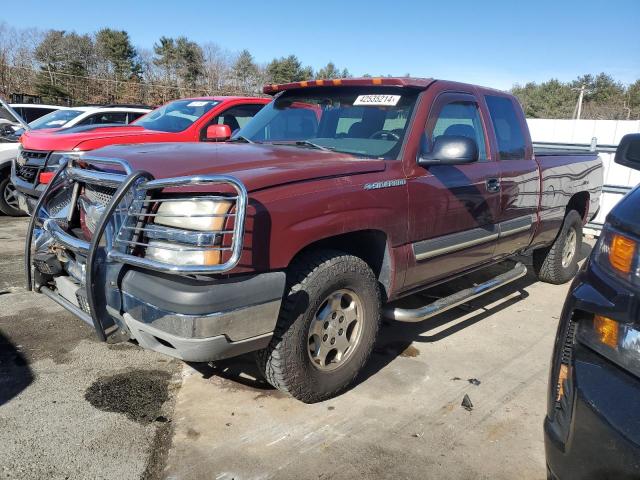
[
  {"x": 218, "y": 133},
  {"x": 450, "y": 150},
  {"x": 628, "y": 151}
]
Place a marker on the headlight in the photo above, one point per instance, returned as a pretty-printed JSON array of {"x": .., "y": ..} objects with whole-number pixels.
[
  {"x": 188, "y": 232},
  {"x": 202, "y": 215},
  {"x": 55, "y": 158},
  {"x": 177, "y": 254},
  {"x": 616, "y": 341},
  {"x": 617, "y": 254}
]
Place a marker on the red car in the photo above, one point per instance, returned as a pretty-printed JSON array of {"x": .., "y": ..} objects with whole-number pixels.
[{"x": 187, "y": 120}]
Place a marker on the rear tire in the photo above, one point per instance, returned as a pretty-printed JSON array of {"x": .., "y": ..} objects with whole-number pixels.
[
  {"x": 327, "y": 326},
  {"x": 559, "y": 263},
  {"x": 9, "y": 199}
]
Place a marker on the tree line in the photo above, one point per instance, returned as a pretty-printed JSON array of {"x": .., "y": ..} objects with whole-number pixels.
[
  {"x": 105, "y": 67},
  {"x": 604, "y": 98}
]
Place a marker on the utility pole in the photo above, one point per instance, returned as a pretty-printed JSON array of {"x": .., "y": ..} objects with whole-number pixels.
[{"x": 580, "y": 97}]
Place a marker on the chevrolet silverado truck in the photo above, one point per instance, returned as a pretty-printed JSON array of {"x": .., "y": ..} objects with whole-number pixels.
[
  {"x": 293, "y": 239},
  {"x": 88, "y": 128}
]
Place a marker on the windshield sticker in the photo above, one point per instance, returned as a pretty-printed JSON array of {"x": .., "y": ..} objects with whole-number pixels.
[
  {"x": 197, "y": 104},
  {"x": 377, "y": 100}
]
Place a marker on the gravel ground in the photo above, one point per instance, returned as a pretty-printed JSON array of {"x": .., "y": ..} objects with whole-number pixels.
[{"x": 71, "y": 406}]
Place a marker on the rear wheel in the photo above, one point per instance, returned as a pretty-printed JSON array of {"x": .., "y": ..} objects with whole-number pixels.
[
  {"x": 327, "y": 326},
  {"x": 559, "y": 262},
  {"x": 9, "y": 198}
]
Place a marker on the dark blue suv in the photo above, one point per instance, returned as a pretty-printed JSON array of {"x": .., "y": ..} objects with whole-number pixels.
[{"x": 592, "y": 428}]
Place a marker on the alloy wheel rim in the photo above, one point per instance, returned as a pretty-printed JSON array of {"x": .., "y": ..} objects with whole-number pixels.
[
  {"x": 569, "y": 249},
  {"x": 335, "y": 331},
  {"x": 10, "y": 195}
]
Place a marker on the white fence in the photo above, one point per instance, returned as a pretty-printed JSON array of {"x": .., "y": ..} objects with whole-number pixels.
[{"x": 617, "y": 179}]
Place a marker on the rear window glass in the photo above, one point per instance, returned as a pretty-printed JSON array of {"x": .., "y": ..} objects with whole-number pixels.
[{"x": 507, "y": 127}]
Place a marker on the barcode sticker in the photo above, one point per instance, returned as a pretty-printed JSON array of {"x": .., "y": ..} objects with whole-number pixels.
[{"x": 377, "y": 100}]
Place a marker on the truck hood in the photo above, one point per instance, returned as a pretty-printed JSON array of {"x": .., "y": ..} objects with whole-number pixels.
[
  {"x": 256, "y": 165},
  {"x": 62, "y": 139}
]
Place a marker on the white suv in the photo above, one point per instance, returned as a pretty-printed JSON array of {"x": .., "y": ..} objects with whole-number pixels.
[{"x": 77, "y": 116}]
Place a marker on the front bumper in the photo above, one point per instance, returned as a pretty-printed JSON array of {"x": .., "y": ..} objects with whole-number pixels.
[
  {"x": 596, "y": 433},
  {"x": 198, "y": 320},
  {"x": 193, "y": 312}
]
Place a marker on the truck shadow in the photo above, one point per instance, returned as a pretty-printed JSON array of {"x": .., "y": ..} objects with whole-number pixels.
[
  {"x": 15, "y": 373},
  {"x": 398, "y": 339}
]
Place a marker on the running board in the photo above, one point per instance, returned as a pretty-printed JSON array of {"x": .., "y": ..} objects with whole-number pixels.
[{"x": 458, "y": 298}]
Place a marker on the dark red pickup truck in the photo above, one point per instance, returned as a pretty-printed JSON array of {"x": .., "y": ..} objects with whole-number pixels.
[{"x": 292, "y": 240}]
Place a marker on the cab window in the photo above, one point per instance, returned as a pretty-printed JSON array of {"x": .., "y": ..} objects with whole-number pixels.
[
  {"x": 461, "y": 118},
  {"x": 105, "y": 118}
]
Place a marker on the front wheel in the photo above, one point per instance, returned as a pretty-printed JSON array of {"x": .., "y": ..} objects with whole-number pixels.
[
  {"x": 9, "y": 199},
  {"x": 327, "y": 326},
  {"x": 559, "y": 262}
]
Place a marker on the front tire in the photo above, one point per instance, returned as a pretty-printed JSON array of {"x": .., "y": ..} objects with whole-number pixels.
[
  {"x": 9, "y": 199},
  {"x": 559, "y": 263},
  {"x": 327, "y": 326}
]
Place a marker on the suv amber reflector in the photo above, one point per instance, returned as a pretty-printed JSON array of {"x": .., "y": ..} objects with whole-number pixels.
[
  {"x": 621, "y": 253},
  {"x": 606, "y": 330}
]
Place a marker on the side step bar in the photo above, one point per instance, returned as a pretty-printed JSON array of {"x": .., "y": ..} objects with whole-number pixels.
[{"x": 458, "y": 298}]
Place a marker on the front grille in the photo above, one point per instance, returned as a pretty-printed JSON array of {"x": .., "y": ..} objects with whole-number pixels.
[
  {"x": 58, "y": 203},
  {"x": 97, "y": 194},
  {"x": 28, "y": 174},
  {"x": 34, "y": 154}
]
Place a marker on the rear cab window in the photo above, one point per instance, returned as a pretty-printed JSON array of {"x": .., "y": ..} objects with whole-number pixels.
[{"x": 507, "y": 127}]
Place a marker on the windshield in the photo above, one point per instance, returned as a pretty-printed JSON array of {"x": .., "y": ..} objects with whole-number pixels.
[
  {"x": 55, "y": 119},
  {"x": 6, "y": 116},
  {"x": 363, "y": 121},
  {"x": 175, "y": 116}
]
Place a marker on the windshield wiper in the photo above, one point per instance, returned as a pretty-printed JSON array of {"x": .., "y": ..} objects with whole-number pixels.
[
  {"x": 307, "y": 143},
  {"x": 240, "y": 138}
]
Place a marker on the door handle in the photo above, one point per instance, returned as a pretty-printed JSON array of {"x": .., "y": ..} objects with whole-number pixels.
[{"x": 493, "y": 185}]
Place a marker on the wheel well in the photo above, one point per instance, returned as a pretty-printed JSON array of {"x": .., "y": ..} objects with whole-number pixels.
[
  {"x": 369, "y": 245},
  {"x": 580, "y": 203}
]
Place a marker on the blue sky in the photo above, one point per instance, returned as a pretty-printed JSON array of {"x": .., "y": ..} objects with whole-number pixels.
[{"x": 493, "y": 43}]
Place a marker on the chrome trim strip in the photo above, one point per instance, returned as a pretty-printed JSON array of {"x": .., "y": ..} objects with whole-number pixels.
[
  {"x": 458, "y": 298},
  {"x": 515, "y": 225},
  {"x": 456, "y": 241}
]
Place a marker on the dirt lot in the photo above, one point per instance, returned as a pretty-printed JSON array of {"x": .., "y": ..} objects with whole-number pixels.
[{"x": 71, "y": 407}]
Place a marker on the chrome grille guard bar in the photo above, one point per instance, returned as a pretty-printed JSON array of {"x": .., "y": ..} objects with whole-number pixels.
[{"x": 140, "y": 182}]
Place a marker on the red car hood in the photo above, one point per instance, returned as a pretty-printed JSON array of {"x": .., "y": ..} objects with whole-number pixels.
[
  {"x": 257, "y": 166},
  {"x": 61, "y": 140}
]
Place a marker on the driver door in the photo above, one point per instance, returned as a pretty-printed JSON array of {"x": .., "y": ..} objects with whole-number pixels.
[{"x": 453, "y": 209}]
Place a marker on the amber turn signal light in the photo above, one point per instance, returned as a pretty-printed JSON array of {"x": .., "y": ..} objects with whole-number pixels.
[
  {"x": 606, "y": 331},
  {"x": 621, "y": 253},
  {"x": 563, "y": 374}
]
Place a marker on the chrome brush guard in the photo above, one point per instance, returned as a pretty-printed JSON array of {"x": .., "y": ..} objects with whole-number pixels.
[{"x": 123, "y": 230}]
